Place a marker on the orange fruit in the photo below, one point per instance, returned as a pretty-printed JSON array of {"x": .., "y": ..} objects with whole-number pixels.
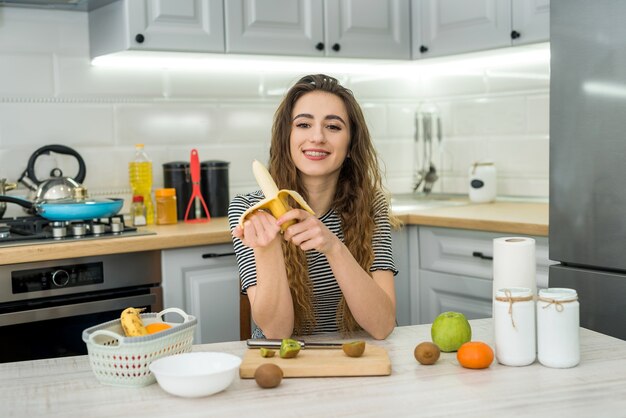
[
  {"x": 475, "y": 355},
  {"x": 157, "y": 327}
]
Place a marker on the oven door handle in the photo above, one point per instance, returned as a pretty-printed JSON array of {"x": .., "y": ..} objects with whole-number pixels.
[{"x": 34, "y": 315}]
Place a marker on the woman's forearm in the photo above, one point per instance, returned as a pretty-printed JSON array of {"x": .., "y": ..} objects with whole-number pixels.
[
  {"x": 272, "y": 307},
  {"x": 372, "y": 306}
]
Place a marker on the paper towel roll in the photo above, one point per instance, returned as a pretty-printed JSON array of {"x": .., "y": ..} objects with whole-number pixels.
[{"x": 514, "y": 263}]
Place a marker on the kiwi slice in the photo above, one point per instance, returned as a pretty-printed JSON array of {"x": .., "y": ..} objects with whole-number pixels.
[
  {"x": 267, "y": 352},
  {"x": 289, "y": 348},
  {"x": 354, "y": 348}
]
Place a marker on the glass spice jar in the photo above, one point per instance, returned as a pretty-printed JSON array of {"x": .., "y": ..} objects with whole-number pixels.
[
  {"x": 138, "y": 211},
  {"x": 166, "y": 206}
]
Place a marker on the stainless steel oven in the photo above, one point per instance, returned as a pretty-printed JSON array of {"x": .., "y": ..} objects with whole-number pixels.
[{"x": 45, "y": 306}]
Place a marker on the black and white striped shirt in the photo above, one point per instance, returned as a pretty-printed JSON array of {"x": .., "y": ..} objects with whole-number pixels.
[{"x": 326, "y": 291}]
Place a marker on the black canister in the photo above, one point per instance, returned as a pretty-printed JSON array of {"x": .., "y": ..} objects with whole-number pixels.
[
  {"x": 214, "y": 186},
  {"x": 176, "y": 175}
]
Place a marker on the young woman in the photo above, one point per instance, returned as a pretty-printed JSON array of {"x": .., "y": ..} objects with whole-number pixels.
[{"x": 333, "y": 271}]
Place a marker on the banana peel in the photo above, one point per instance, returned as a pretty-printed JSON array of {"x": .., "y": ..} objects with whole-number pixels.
[{"x": 276, "y": 201}]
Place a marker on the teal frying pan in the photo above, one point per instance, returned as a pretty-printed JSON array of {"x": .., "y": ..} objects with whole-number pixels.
[{"x": 70, "y": 210}]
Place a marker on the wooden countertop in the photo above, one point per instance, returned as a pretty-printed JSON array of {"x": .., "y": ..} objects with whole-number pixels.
[
  {"x": 506, "y": 217},
  {"x": 67, "y": 388}
]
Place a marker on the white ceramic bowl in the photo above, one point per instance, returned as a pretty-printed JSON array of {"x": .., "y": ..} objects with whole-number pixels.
[{"x": 195, "y": 374}]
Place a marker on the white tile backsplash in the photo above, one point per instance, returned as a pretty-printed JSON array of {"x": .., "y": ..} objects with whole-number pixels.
[
  {"x": 28, "y": 125},
  {"x": 538, "y": 114},
  {"x": 77, "y": 78},
  {"x": 166, "y": 123},
  {"x": 26, "y": 75},
  {"x": 54, "y": 95},
  {"x": 246, "y": 123}
]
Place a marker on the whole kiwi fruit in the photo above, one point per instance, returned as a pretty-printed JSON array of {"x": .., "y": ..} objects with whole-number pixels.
[
  {"x": 268, "y": 375},
  {"x": 427, "y": 353}
]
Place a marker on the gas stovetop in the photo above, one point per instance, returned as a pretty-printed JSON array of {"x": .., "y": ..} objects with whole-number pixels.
[{"x": 28, "y": 230}]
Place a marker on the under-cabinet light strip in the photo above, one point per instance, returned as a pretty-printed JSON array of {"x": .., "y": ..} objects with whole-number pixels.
[{"x": 460, "y": 64}]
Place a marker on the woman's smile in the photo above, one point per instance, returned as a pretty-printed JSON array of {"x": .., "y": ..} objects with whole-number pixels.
[{"x": 315, "y": 154}]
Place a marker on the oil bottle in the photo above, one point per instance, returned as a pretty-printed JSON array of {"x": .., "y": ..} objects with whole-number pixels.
[{"x": 140, "y": 178}]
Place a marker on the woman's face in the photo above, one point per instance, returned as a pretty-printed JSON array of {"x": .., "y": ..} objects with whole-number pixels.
[{"x": 320, "y": 134}]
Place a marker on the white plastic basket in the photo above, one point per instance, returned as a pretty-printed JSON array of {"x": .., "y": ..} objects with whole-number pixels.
[{"x": 123, "y": 361}]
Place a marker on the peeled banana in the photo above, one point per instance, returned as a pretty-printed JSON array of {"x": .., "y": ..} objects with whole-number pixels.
[
  {"x": 275, "y": 200},
  {"x": 132, "y": 323}
]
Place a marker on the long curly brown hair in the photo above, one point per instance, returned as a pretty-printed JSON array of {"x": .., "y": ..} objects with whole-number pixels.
[{"x": 358, "y": 185}]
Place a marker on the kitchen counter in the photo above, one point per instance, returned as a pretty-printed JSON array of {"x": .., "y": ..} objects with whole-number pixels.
[
  {"x": 67, "y": 388},
  {"x": 527, "y": 218}
]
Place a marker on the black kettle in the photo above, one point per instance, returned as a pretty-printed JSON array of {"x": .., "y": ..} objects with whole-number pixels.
[{"x": 57, "y": 186}]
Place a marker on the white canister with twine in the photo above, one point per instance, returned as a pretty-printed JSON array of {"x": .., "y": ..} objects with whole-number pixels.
[
  {"x": 558, "y": 328},
  {"x": 482, "y": 182},
  {"x": 514, "y": 326}
]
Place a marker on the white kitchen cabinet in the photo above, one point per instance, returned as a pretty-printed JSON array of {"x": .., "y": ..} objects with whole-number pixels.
[
  {"x": 456, "y": 272},
  {"x": 334, "y": 28},
  {"x": 204, "y": 282},
  {"x": 402, "y": 281},
  {"x": 441, "y": 292},
  {"x": 531, "y": 20},
  {"x": 157, "y": 25},
  {"x": 447, "y": 27}
]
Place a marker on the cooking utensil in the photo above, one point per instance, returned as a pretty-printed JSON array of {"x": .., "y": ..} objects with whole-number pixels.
[
  {"x": 320, "y": 363},
  {"x": 58, "y": 186},
  {"x": 427, "y": 125},
  {"x": 270, "y": 343},
  {"x": 5, "y": 187},
  {"x": 196, "y": 194},
  {"x": 70, "y": 209}
]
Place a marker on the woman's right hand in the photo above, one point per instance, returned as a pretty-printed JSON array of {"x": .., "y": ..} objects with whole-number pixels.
[{"x": 259, "y": 230}]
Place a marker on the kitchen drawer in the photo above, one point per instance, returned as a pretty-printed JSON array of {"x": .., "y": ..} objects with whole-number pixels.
[
  {"x": 455, "y": 251},
  {"x": 441, "y": 292}
]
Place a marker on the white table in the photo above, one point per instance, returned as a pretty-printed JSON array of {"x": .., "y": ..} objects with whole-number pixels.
[{"x": 596, "y": 388}]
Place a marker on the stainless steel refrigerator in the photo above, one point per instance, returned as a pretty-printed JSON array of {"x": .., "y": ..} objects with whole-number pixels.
[{"x": 588, "y": 158}]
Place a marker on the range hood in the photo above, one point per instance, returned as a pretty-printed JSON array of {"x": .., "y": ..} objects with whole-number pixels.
[{"x": 75, "y": 5}]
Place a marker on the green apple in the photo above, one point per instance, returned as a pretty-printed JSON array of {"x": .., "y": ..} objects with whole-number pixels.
[{"x": 450, "y": 331}]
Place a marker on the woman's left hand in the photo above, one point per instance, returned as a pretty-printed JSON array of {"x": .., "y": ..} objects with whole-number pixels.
[{"x": 308, "y": 233}]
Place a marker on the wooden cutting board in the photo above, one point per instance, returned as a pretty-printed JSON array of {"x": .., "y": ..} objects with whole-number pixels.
[{"x": 322, "y": 363}]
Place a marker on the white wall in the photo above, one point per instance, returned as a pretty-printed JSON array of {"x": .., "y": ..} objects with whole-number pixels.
[{"x": 49, "y": 93}]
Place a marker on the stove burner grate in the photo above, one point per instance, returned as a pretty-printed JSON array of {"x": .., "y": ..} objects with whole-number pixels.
[{"x": 36, "y": 228}]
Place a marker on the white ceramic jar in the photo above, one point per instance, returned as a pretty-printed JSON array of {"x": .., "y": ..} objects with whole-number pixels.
[
  {"x": 514, "y": 326},
  {"x": 482, "y": 182},
  {"x": 558, "y": 327}
]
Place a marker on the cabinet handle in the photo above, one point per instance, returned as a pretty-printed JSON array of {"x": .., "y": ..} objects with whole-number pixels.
[
  {"x": 479, "y": 254},
  {"x": 139, "y": 38},
  {"x": 515, "y": 34},
  {"x": 320, "y": 46},
  {"x": 336, "y": 47},
  {"x": 216, "y": 255},
  {"x": 423, "y": 49}
]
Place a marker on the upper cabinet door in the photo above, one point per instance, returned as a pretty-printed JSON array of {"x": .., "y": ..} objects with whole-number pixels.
[
  {"x": 281, "y": 27},
  {"x": 368, "y": 29},
  {"x": 531, "y": 21},
  {"x": 450, "y": 27},
  {"x": 176, "y": 25},
  {"x": 334, "y": 28}
]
